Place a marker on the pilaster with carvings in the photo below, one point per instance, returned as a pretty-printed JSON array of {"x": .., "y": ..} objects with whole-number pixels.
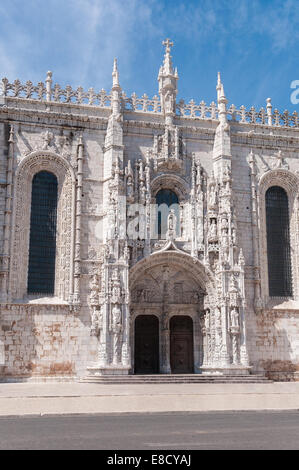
[{"x": 4, "y": 297}]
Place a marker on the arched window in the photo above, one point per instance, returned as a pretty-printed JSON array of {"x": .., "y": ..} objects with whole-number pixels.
[
  {"x": 167, "y": 200},
  {"x": 278, "y": 243},
  {"x": 42, "y": 249}
]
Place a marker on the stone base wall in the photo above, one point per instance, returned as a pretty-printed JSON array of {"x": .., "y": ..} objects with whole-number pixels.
[
  {"x": 45, "y": 341},
  {"x": 273, "y": 344},
  {"x": 50, "y": 342}
]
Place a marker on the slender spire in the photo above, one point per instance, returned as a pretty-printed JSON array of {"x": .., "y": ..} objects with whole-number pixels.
[
  {"x": 220, "y": 90},
  {"x": 222, "y": 94},
  {"x": 115, "y": 91},
  {"x": 221, "y": 99}
]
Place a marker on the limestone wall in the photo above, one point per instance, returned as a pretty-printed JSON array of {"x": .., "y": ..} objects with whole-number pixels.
[{"x": 49, "y": 339}]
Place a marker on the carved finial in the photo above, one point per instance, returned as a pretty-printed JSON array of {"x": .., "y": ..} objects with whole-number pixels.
[
  {"x": 11, "y": 134},
  {"x": 115, "y": 74},
  {"x": 269, "y": 111},
  {"x": 167, "y": 66},
  {"x": 49, "y": 75},
  {"x": 48, "y": 86}
]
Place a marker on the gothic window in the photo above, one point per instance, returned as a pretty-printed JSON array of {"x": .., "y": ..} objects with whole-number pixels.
[
  {"x": 42, "y": 248},
  {"x": 278, "y": 243},
  {"x": 166, "y": 200}
]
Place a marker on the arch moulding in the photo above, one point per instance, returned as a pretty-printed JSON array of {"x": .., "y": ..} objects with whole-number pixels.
[
  {"x": 290, "y": 183},
  {"x": 172, "y": 182}
]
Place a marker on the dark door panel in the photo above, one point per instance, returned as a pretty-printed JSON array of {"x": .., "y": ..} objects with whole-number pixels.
[
  {"x": 181, "y": 345},
  {"x": 146, "y": 344}
]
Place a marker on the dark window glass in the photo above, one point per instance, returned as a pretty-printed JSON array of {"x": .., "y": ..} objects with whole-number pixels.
[
  {"x": 42, "y": 249},
  {"x": 167, "y": 200},
  {"x": 278, "y": 243}
]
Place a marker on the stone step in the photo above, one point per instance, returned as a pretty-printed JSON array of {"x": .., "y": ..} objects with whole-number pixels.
[{"x": 176, "y": 379}]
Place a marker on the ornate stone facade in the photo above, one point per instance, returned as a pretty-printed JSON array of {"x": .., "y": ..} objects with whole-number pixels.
[{"x": 112, "y": 156}]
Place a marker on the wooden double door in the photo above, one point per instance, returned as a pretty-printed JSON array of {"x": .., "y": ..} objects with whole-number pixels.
[{"x": 147, "y": 345}]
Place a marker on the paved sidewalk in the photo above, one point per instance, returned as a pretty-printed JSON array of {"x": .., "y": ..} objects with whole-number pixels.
[{"x": 21, "y": 399}]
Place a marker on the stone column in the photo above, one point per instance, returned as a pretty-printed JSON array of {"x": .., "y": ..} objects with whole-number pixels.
[
  {"x": 224, "y": 349},
  {"x": 165, "y": 346}
]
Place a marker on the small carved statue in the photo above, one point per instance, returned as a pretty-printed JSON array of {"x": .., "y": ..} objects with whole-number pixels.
[
  {"x": 213, "y": 231},
  {"x": 234, "y": 318},
  {"x": 96, "y": 321}
]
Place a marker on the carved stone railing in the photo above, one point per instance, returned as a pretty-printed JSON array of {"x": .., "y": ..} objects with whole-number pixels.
[
  {"x": 57, "y": 94},
  {"x": 193, "y": 110},
  {"x": 263, "y": 116},
  {"x": 143, "y": 104}
]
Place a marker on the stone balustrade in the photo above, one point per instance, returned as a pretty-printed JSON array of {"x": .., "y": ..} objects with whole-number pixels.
[{"x": 55, "y": 93}]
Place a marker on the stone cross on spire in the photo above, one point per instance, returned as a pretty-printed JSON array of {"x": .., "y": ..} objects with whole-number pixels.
[
  {"x": 167, "y": 65},
  {"x": 168, "y": 43}
]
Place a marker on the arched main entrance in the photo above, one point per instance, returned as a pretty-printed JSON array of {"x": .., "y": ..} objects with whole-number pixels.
[
  {"x": 181, "y": 345},
  {"x": 170, "y": 286},
  {"x": 146, "y": 344}
]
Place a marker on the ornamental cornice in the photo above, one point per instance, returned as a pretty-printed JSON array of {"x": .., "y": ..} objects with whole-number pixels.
[
  {"x": 18, "y": 114},
  {"x": 159, "y": 125},
  {"x": 250, "y": 138},
  {"x": 21, "y": 113},
  {"x": 36, "y": 307}
]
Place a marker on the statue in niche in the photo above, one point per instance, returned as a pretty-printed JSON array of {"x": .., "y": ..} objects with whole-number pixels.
[
  {"x": 115, "y": 288},
  {"x": 130, "y": 189},
  {"x": 213, "y": 231},
  {"x": 212, "y": 196},
  {"x": 142, "y": 192},
  {"x": 168, "y": 102},
  {"x": 116, "y": 319},
  {"x": 234, "y": 318},
  {"x": 171, "y": 225},
  {"x": 94, "y": 290},
  {"x": 96, "y": 321},
  {"x": 224, "y": 224},
  {"x": 217, "y": 317}
]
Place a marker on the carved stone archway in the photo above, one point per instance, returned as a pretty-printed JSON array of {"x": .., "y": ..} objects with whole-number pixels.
[
  {"x": 166, "y": 284},
  {"x": 29, "y": 166}
]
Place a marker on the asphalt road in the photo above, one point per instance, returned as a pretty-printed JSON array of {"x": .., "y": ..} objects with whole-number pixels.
[{"x": 163, "y": 431}]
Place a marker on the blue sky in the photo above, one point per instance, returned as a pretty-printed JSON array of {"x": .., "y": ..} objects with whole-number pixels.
[{"x": 253, "y": 43}]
